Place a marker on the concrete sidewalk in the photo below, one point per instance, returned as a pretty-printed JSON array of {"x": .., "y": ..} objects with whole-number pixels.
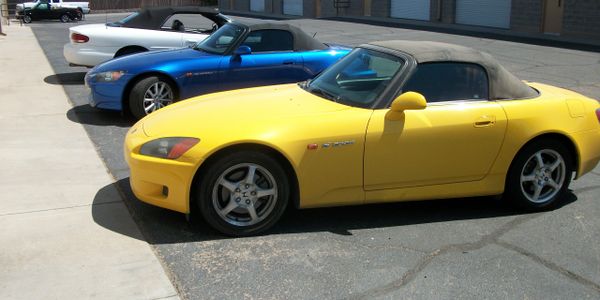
[{"x": 54, "y": 188}]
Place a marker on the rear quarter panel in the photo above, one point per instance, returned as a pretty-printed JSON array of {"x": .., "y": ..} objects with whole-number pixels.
[{"x": 548, "y": 113}]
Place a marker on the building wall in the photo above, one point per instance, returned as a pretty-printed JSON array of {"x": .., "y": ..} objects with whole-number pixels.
[
  {"x": 448, "y": 11},
  {"x": 380, "y": 8},
  {"x": 527, "y": 15},
  {"x": 582, "y": 18}
]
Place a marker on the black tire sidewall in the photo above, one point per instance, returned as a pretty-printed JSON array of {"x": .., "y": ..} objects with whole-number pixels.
[
  {"x": 136, "y": 96},
  {"x": 203, "y": 192},
  {"x": 513, "y": 182}
]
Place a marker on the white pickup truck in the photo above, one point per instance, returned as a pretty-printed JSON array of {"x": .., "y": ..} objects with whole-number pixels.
[{"x": 83, "y": 6}]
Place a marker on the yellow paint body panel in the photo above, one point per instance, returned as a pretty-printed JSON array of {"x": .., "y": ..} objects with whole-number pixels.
[{"x": 446, "y": 150}]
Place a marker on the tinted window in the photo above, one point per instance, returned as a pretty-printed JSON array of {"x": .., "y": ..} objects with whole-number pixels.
[
  {"x": 358, "y": 79},
  {"x": 221, "y": 40},
  {"x": 449, "y": 81},
  {"x": 270, "y": 40}
]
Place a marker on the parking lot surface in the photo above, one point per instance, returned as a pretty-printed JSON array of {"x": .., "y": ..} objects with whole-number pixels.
[{"x": 462, "y": 248}]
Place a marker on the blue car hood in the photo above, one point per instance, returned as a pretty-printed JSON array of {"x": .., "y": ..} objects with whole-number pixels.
[{"x": 151, "y": 60}]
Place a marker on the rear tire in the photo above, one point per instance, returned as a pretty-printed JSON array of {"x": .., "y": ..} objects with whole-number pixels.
[
  {"x": 539, "y": 176},
  {"x": 151, "y": 94},
  {"x": 243, "y": 193}
]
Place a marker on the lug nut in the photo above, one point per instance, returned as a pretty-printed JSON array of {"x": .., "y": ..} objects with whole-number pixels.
[
  {"x": 253, "y": 193},
  {"x": 248, "y": 202},
  {"x": 247, "y": 185},
  {"x": 238, "y": 199}
]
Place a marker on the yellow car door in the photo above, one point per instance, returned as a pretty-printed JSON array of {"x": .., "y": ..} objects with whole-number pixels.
[{"x": 456, "y": 138}]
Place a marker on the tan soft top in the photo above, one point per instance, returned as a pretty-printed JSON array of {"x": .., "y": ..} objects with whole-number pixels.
[{"x": 503, "y": 84}]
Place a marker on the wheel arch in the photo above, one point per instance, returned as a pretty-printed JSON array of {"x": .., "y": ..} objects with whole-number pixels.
[
  {"x": 142, "y": 48},
  {"x": 563, "y": 138},
  {"x": 131, "y": 83},
  {"x": 248, "y": 146}
]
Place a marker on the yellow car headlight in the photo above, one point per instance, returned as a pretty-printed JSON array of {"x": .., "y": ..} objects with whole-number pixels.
[{"x": 169, "y": 148}]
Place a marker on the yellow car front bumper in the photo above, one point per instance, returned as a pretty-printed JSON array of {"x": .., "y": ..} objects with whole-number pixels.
[{"x": 161, "y": 182}]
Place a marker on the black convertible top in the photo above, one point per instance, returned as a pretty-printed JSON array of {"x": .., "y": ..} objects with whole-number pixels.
[
  {"x": 503, "y": 84},
  {"x": 155, "y": 17},
  {"x": 302, "y": 41}
]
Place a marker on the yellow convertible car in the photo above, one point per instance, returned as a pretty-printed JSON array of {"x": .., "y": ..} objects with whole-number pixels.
[{"x": 392, "y": 121}]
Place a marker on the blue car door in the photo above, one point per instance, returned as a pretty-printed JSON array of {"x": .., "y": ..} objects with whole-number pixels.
[{"x": 272, "y": 61}]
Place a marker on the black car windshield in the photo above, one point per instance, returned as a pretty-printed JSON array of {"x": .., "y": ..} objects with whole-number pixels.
[
  {"x": 222, "y": 39},
  {"x": 358, "y": 79},
  {"x": 123, "y": 21}
]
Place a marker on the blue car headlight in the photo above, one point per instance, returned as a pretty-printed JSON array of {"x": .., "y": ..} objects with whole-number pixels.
[{"x": 109, "y": 76}]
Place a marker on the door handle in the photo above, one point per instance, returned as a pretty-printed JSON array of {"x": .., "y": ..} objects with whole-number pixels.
[
  {"x": 289, "y": 62},
  {"x": 485, "y": 121}
]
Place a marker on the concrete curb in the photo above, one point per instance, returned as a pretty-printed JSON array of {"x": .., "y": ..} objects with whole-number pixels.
[{"x": 59, "y": 201}]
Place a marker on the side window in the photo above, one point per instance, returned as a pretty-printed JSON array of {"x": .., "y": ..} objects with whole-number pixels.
[
  {"x": 449, "y": 81},
  {"x": 191, "y": 23},
  {"x": 55, "y": 1},
  {"x": 269, "y": 40}
]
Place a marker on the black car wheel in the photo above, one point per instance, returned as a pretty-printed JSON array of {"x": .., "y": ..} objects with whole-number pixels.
[
  {"x": 243, "y": 193},
  {"x": 151, "y": 94},
  {"x": 27, "y": 19},
  {"x": 65, "y": 18},
  {"x": 540, "y": 175}
]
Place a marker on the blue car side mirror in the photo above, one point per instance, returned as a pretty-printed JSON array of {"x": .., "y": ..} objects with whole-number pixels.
[{"x": 242, "y": 50}]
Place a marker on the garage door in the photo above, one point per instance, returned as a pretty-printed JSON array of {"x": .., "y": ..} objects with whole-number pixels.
[
  {"x": 410, "y": 9},
  {"x": 292, "y": 7},
  {"x": 257, "y": 5},
  {"x": 491, "y": 13}
]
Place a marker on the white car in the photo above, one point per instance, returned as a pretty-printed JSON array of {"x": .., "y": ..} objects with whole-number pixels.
[
  {"x": 83, "y": 6},
  {"x": 147, "y": 30}
]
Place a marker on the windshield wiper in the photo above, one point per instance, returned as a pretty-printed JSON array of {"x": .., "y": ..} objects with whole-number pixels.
[{"x": 324, "y": 94}]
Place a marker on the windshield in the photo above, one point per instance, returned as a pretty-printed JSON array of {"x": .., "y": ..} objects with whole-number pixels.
[
  {"x": 358, "y": 79},
  {"x": 124, "y": 20},
  {"x": 221, "y": 40}
]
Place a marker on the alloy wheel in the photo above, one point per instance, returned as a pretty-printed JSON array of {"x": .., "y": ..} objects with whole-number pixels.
[
  {"x": 543, "y": 176},
  {"x": 157, "y": 96},
  {"x": 244, "y": 194}
]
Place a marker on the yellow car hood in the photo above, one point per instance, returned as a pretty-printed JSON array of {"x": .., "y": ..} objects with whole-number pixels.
[{"x": 249, "y": 110}]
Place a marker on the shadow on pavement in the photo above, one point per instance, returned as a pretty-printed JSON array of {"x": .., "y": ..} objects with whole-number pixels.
[
  {"x": 111, "y": 216},
  {"x": 85, "y": 114},
  {"x": 75, "y": 78},
  {"x": 161, "y": 226}
]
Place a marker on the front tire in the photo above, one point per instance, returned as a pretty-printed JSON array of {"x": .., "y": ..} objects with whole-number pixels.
[
  {"x": 243, "y": 193},
  {"x": 540, "y": 175},
  {"x": 65, "y": 18},
  {"x": 27, "y": 19},
  {"x": 149, "y": 95}
]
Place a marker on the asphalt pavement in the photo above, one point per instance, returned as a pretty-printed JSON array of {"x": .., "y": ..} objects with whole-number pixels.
[{"x": 461, "y": 248}]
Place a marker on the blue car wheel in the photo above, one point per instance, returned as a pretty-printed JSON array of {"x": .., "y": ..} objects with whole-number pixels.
[{"x": 149, "y": 95}]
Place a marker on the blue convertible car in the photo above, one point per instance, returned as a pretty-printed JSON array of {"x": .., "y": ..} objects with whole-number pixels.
[{"x": 235, "y": 56}]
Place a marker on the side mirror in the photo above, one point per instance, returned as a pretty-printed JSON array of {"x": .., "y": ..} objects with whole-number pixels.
[
  {"x": 242, "y": 50},
  {"x": 406, "y": 101}
]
